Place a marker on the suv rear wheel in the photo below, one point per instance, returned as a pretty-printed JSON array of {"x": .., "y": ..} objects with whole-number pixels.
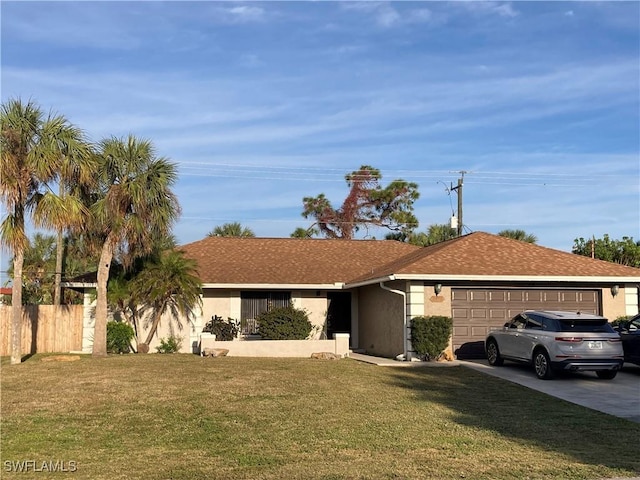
[{"x": 542, "y": 364}]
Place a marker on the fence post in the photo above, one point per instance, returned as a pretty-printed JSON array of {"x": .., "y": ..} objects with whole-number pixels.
[{"x": 88, "y": 321}]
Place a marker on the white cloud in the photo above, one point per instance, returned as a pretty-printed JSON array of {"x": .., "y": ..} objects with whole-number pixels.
[
  {"x": 504, "y": 10},
  {"x": 386, "y": 16},
  {"x": 422, "y": 15},
  {"x": 238, "y": 14},
  {"x": 247, "y": 13}
]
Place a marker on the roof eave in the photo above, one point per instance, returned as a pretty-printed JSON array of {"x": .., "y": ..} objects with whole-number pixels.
[
  {"x": 274, "y": 286},
  {"x": 79, "y": 284},
  {"x": 496, "y": 278}
]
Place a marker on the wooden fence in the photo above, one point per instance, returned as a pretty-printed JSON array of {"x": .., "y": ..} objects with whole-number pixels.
[{"x": 43, "y": 330}]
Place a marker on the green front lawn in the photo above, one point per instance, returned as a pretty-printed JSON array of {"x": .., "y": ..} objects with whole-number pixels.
[{"x": 187, "y": 417}]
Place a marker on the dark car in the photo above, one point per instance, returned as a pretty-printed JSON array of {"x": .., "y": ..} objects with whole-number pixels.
[{"x": 629, "y": 331}]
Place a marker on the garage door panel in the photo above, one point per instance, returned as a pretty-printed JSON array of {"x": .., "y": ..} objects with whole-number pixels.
[
  {"x": 571, "y": 297},
  {"x": 497, "y": 296},
  {"x": 476, "y": 311},
  {"x": 479, "y": 332},
  {"x": 533, "y": 296},
  {"x": 460, "y": 313},
  {"x": 459, "y": 295},
  {"x": 478, "y": 296},
  {"x": 516, "y": 296},
  {"x": 461, "y": 331}
]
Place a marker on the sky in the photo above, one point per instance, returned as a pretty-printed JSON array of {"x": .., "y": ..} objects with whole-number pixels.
[{"x": 260, "y": 104}]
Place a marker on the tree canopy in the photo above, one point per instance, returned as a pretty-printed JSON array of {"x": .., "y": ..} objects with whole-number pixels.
[
  {"x": 302, "y": 232},
  {"x": 436, "y": 233},
  {"x": 37, "y": 152},
  {"x": 234, "y": 229},
  {"x": 164, "y": 281},
  {"x": 134, "y": 207},
  {"x": 625, "y": 251},
  {"x": 367, "y": 204},
  {"x": 520, "y": 235}
]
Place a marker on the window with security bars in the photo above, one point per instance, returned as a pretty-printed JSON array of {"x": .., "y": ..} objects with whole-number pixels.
[{"x": 256, "y": 302}]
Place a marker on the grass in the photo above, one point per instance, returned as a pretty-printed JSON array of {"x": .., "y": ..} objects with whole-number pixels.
[{"x": 187, "y": 417}]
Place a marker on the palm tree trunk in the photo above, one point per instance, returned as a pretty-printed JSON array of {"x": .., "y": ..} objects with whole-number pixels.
[
  {"x": 57, "y": 292},
  {"x": 157, "y": 315},
  {"x": 16, "y": 308},
  {"x": 58, "y": 273},
  {"x": 100, "y": 328}
]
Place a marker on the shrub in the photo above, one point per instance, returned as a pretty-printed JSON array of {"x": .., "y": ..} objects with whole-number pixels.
[
  {"x": 430, "y": 335},
  {"x": 284, "y": 323},
  {"x": 224, "y": 331},
  {"x": 169, "y": 345},
  {"x": 119, "y": 336},
  {"x": 621, "y": 320}
]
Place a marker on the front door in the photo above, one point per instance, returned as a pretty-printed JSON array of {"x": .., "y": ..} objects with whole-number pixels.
[{"x": 339, "y": 313}]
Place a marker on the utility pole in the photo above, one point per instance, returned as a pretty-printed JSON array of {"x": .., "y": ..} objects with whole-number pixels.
[{"x": 458, "y": 190}]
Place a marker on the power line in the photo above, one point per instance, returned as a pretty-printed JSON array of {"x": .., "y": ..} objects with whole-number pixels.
[{"x": 414, "y": 172}]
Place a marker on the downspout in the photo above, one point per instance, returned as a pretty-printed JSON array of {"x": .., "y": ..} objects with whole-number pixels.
[{"x": 404, "y": 316}]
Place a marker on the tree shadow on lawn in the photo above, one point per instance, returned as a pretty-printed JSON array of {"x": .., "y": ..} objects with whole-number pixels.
[{"x": 524, "y": 415}]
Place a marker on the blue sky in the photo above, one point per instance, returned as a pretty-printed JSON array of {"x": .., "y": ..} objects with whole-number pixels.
[{"x": 263, "y": 103}]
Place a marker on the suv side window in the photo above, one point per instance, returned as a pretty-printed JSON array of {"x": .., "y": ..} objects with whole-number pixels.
[
  {"x": 518, "y": 322},
  {"x": 549, "y": 324},
  {"x": 534, "y": 322}
]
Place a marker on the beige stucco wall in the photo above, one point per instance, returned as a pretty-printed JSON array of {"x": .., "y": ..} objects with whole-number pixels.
[
  {"x": 280, "y": 348},
  {"x": 623, "y": 304},
  {"x": 315, "y": 304},
  {"x": 182, "y": 328},
  {"x": 380, "y": 320},
  {"x": 437, "y": 304},
  {"x": 216, "y": 302}
]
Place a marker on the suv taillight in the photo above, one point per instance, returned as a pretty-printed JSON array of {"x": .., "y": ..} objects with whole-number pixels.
[{"x": 569, "y": 339}]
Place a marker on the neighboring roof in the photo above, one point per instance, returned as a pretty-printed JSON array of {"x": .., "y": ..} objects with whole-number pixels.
[
  {"x": 5, "y": 290},
  {"x": 290, "y": 261},
  {"x": 481, "y": 254},
  {"x": 80, "y": 282}
]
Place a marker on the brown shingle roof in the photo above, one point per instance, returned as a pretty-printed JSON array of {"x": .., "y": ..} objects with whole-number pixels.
[
  {"x": 287, "y": 261},
  {"x": 480, "y": 254},
  {"x": 231, "y": 260}
]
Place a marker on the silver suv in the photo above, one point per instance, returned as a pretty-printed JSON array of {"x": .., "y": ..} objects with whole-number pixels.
[{"x": 558, "y": 341}]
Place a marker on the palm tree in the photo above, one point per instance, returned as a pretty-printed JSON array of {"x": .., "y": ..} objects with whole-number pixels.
[
  {"x": 136, "y": 205},
  {"x": 234, "y": 229},
  {"x": 436, "y": 233},
  {"x": 125, "y": 295},
  {"x": 520, "y": 235},
  {"x": 31, "y": 147},
  {"x": 168, "y": 285},
  {"x": 37, "y": 270},
  {"x": 302, "y": 232},
  {"x": 77, "y": 170}
]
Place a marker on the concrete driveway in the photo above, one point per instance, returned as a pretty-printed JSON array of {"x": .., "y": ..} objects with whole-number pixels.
[{"x": 619, "y": 397}]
